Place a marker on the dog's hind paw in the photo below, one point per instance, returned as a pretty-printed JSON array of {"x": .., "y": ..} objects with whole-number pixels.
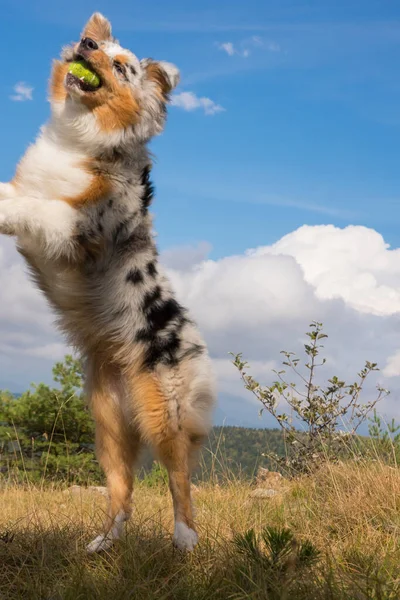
[{"x": 184, "y": 539}]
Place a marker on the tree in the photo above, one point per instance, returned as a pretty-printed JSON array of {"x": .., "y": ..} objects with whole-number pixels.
[{"x": 49, "y": 432}]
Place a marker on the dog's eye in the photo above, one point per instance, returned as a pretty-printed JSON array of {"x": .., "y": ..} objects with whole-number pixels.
[{"x": 119, "y": 68}]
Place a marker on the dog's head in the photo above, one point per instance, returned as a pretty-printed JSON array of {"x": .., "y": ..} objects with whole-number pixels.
[{"x": 130, "y": 102}]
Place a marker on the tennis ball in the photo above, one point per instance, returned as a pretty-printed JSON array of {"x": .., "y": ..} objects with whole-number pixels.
[{"x": 82, "y": 70}]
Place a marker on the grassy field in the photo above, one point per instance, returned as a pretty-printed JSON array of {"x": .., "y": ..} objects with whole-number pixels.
[{"x": 349, "y": 513}]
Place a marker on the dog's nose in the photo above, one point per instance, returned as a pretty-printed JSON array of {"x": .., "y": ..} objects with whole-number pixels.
[{"x": 89, "y": 44}]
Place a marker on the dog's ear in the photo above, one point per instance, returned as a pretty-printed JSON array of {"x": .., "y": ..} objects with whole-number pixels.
[
  {"x": 170, "y": 73},
  {"x": 98, "y": 28},
  {"x": 163, "y": 73}
]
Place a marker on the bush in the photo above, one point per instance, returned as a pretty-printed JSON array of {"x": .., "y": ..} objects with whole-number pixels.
[{"x": 313, "y": 435}]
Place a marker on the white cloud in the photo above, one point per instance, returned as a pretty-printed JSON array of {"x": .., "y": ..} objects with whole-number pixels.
[
  {"x": 270, "y": 45},
  {"x": 182, "y": 258},
  {"x": 258, "y": 303},
  {"x": 262, "y": 301},
  {"x": 29, "y": 343},
  {"x": 227, "y": 47},
  {"x": 22, "y": 93},
  {"x": 189, "y": 102},
  {"x": 392, "y": 368},
  {"x": 245, "y": 47},
  {"x": 354, "y": 264},
  {"x": 231, "y": 49}
]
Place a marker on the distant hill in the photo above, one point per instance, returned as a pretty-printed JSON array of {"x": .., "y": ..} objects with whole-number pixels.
[{"x": 234, "y": 451}]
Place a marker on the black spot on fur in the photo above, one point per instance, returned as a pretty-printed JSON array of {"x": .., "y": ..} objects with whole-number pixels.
[
  {"x": 89, "y": 243},
  {"x": 160, "y": 314},
  {"x": 132, "y": 70},
  {"x": 193, "y": 351},
  {"x": 178, "y": 415},
  {"x": 101, "y": 213},
  {"x": 100, "y": 227},
  {"x": 119, "y": 231},
  {"x": 86, "y": 238},
  {"x": 162, "y": 347},
  {"x": 110, "y": 203},
  {"x": 82, "y": 239},
  {"x": 151, "y": 269},
  {"x": 148, "y": 190},
  {"x": 135, "y": 276},
  {"x": 162, "y": 350},
  {"x": 121, "y": 69},
  {"x": 151, "y": 298},
  {"x": 128, "y": 240}
]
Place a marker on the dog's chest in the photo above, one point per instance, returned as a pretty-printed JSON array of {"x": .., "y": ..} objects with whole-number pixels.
[{"x": 49, "y": 172}]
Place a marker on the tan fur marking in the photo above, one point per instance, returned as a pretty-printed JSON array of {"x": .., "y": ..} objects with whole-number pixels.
[
  {"x": 175, "y": 455},
  {"x": 117, "y": 446},
  {"x": 98, "y": 189},
  {"x": 119, "y": 112},
  {"x": 114, "y": 104},
  {"x": 150, "y": 407},
  {"x": 121, "y": 58},
  {"x": 57, "y": 87},
  {"x": 97, "y": 28},
  {"x": 171, "y": 445}
]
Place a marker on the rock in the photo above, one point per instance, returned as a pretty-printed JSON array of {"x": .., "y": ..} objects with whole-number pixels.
[
  {"x": 77, "y": 490},
  {"x": 267, "y": 478},
  {"x": 263, "y": 493},
  {"x": 98, "y": 489}
]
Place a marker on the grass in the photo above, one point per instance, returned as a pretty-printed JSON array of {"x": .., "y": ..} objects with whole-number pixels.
[{"x": 335, "y": 535}]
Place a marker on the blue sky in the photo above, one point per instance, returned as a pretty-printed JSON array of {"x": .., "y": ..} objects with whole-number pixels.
[
  {"x": 310, "y": 128},
  {"x": 305, "y": 130}
]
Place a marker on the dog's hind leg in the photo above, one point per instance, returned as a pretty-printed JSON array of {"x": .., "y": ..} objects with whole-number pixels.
[
  {"x": 117, "y": 447},
  {"x": 175, "y": 454}
]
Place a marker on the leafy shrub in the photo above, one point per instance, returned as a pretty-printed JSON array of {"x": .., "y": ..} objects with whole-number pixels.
[{"x": 314, "y": 434}]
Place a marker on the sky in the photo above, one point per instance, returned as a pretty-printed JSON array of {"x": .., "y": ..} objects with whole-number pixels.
[{"x": 277, "y": 178}]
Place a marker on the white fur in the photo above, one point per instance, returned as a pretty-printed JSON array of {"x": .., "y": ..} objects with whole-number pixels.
[
  {"x": 172, "y": 73},
  {"x": 106, "y": 540},
  {"x": 51, "y": 170},
  {"x": 184, "y": 539},
  {"x": 50, "y": 222},
  {"x": 33, "y": 208},
  {"x": 7, "y": 190}
]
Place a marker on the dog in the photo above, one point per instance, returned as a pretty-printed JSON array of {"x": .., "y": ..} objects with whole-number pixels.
[{"x": 79, "y": 209}]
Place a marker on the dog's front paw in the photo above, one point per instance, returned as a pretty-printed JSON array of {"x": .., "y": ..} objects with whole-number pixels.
[{"x": 100, "y": 544}]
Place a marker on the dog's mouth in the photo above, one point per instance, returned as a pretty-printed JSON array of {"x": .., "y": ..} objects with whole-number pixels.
[{"x": 85, "y": 79}]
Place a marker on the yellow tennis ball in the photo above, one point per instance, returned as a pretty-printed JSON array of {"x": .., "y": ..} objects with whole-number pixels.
[{"x": 82, "y": 71}]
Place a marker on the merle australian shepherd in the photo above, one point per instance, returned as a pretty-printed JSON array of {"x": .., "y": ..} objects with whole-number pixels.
[{"x": 79, "y": 209}]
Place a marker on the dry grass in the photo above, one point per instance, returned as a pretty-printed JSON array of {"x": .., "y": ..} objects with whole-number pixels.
[{"x": 350, "y": 512}]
